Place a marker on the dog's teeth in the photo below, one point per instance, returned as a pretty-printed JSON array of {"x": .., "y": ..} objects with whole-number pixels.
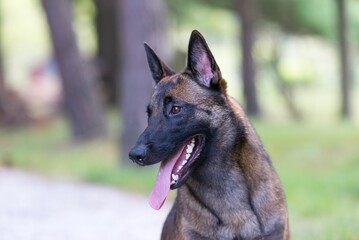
[
  {"x": 189, "y": 149},
  {"x": 184, "y": 161},
  {"x": 173, "y": 182},
  {"x": 174, "y": 177},
  {"x": 187, "y": 156},
  {"x": 180, "y": 167}
]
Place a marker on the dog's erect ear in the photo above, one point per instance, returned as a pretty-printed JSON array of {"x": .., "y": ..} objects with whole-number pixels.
[
  {"x": 202, "y": 63},
  {"x": 158, "y": 68}
]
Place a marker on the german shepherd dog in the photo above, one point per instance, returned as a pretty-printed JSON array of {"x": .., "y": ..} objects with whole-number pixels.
[{"x": 209, "y": 151}]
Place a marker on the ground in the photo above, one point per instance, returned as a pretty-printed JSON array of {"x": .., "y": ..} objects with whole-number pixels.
[{"x": 39, "y": 208}]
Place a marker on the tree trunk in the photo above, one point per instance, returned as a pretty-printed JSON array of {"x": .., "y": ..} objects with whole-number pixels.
[
  {"x": 80, "y": 100},
  {"x": 2, "y": 75},
  {"x": 107, "y": 53},
  {"x": 140, "y": 21},
  {"x": 344, "y": 58},
  {"x": 246, "y": 10},
  {"x": 13, "y": 111}
]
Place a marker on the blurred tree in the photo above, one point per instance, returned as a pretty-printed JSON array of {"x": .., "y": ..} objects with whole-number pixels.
[
  {"x": 300, "y": 17},
  {"x": 305, "y": 17},
  {"x": 107, "y": 42},
  {"x": 81, "y": 102},
  {"x": 284, "y": 85},
  {"x": 344, "y": 58},
  {"x": 246, "y": 9},
  {"x": 140, "y": 20},
  {"x": 13, "y": 111},
  {"x": 2, "y": 82}
]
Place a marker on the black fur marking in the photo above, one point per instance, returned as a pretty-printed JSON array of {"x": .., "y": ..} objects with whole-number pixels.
[{"x": 207, "y": 111}]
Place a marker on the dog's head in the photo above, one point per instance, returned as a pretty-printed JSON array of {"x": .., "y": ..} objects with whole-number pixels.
[{"x": 178, "y": 131}]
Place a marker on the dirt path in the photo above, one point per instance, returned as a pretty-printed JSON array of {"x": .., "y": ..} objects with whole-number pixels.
[{"x": 34, "y": 207}]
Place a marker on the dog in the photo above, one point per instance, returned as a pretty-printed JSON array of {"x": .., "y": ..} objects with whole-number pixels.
[{"x": 209, "y": 151}]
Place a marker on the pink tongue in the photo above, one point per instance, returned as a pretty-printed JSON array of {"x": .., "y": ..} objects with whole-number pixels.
[{"x": 163, "y": 181}]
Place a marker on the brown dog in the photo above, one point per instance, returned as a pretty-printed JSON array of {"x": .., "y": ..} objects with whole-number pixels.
[{"x": 227, "y": 186}]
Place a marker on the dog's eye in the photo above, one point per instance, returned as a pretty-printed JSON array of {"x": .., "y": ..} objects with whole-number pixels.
[{"x": 175, "y": 109}]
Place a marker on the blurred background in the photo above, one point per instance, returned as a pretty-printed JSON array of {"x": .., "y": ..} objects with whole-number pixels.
[{"x": 74, "y": 85}]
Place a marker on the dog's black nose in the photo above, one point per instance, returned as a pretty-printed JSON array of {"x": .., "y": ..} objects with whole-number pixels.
[{"x": 138, "y": 154}]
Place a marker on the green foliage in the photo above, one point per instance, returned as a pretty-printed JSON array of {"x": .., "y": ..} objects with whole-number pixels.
[
  {"x": 84, "y": 24},
  {"x": 319, "y": 168},
  {"x": 353, "y": 16},
  {"x": 313, "y": 17},
  {"x": 295, "y": 70},
  {"x": 302, "y": 16},
  {"x": 318, "y": 165},
  {"x": 45, "y": 149},
  {"x": 85, "y": 7},
  {"x": 203, "y": 15}
]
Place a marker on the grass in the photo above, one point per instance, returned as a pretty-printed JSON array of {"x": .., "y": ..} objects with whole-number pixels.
[
  {"x": 46, "y": 149},
  {"x": 318, "y": 165},
  {"x": 319, "y": 168}
]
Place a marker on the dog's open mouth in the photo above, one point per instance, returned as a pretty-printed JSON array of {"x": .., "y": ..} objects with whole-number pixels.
[
  {"x": 174, "y": 171},
  {"x": 188, "y": 157}
]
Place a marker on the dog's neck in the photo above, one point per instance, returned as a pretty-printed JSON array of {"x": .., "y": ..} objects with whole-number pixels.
[{"x": 233, "y": 161}]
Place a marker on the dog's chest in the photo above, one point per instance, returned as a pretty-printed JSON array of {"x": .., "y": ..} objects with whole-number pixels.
[{"x": 216, "y": 213}]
